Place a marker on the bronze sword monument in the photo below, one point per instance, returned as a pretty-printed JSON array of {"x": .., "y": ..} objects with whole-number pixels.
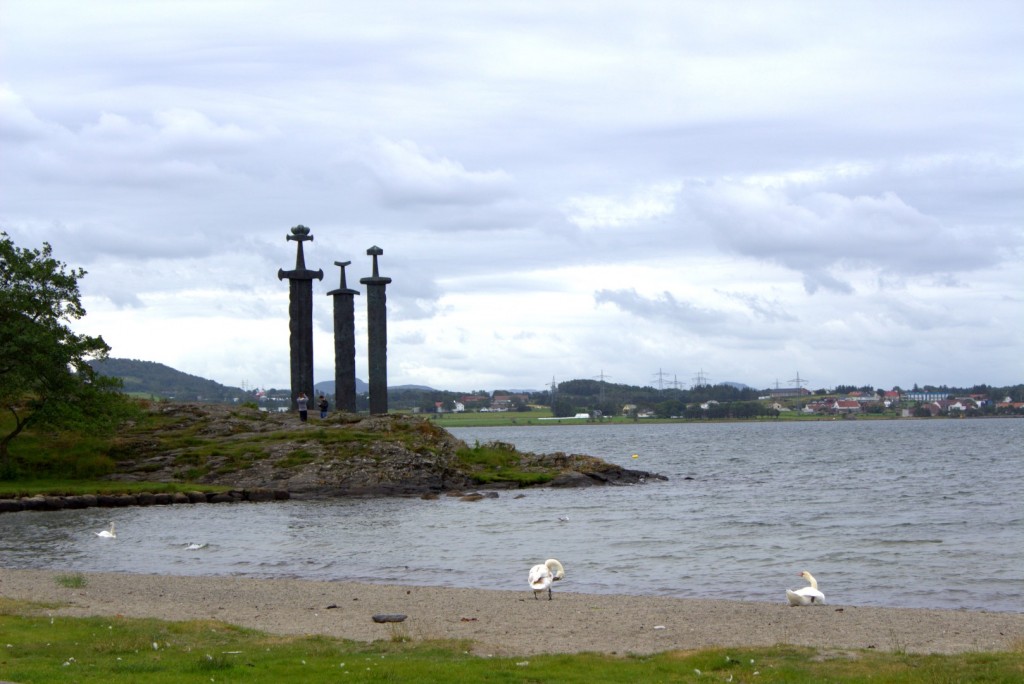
[
  {"x": 344, "y": 344},
  {"x": 377, "y": 334},
  {"x": 300, "y": 315}
]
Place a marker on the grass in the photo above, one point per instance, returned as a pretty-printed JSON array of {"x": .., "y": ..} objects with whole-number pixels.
[
  {"x": 509, "y": 419},
  {"x": 76, "y": 581},
  {"x": 61, "y": 487},
  {"x": 39, "y": 648},
  {"x": 295, "y": 459},
  {"x": 499, "y": 462}
]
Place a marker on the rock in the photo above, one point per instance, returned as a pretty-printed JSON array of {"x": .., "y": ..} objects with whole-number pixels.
[
  {"x": 221, "y": 497},
  {"x": 389, "y": 617},
  {"x": 33, "y": 503},
  {"x": 259, "y": 495},
  {"x": 80, "y": 501},
  {"x": 572, "y": 479}
]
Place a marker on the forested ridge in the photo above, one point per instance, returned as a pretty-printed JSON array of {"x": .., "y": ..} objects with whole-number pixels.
[{"x": 157, "y": 379}]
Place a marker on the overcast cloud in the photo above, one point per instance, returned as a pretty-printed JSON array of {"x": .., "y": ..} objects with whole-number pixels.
[{"x": 747, "y": 190}]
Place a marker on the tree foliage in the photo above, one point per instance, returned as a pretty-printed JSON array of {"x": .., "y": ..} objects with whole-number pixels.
[{"x": 45, "y": 377}]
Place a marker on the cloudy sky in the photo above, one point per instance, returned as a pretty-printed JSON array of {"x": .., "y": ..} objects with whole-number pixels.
[{"x": 644, "y": 191}]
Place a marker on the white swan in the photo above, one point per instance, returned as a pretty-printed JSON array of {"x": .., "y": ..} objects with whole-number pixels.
[
  {"x": 808, "y": 596},
  {"x": 542, "y": 576},
  {"x": 107, "y": 534}
]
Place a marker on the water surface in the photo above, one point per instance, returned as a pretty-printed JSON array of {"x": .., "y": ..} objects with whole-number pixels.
[{"x": 905, "y": 513}]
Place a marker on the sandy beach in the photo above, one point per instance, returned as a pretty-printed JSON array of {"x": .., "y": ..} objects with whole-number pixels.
[{"x": 514, "y": 623}]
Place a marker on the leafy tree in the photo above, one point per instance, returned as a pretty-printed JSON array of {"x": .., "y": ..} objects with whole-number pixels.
[
  {"x": 563, "y": 407},
  {"x": 45, "y": 377}
]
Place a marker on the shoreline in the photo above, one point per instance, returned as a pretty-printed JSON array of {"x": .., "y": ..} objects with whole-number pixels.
[{"x": 513, "y": 623}]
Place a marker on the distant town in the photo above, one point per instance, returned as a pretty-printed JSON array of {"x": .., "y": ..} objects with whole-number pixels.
[{"x": 596, "y": 398}]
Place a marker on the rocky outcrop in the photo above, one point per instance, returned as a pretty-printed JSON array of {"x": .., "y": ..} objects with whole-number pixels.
[{"x": 346, "y": 455}]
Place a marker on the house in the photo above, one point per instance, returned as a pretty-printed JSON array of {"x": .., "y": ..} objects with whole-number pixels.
[
  {"x": 845, "y": 406},
  {"x": 789, "y": 392},
  {"x": 501, "y": 402},
  {"x": 950, "y": 405},
  {"x": 923, "y": 396}
]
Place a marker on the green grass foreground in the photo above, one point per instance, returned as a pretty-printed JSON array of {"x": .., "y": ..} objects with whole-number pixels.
[
  {"x": 36, "y": 647},
  {"x": 62, "y": 487}
]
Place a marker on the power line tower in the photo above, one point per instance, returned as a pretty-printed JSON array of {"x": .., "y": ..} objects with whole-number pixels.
[
  {"x": 799, "y": 382},
  {"x": 701, "y": 379},
  {"x": 600, "y": 378},
  {"x": 661, "y": 379},
  {"x": 554, "y": 391}
]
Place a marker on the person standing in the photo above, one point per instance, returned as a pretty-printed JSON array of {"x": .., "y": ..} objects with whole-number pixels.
[
  {"x": 302, "y": 402},
  {"x": 322, "y": 405}
]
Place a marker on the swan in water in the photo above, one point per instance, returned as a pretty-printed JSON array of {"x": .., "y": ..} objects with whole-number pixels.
[
  {"x": 193, "y": 546},
  {"x": 543, "y": 575},
  {"x": 808, "y": 596},
  {"x": 107, "y": 534}
]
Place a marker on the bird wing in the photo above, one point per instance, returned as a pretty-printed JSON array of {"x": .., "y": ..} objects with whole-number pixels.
[
  {"x": 540, "y": 577},
  {"x": 805, "y": 596}
]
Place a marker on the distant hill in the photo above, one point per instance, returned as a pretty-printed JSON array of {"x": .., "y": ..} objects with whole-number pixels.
[
  {"x": 327, "y": 387},
  {"x": 158, "y": 380}
]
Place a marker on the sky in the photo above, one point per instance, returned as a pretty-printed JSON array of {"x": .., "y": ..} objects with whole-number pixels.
[{"x": 652, "y": 193}]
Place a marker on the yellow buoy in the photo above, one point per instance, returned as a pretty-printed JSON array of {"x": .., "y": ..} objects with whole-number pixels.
[{"x": 636, "y": 456}]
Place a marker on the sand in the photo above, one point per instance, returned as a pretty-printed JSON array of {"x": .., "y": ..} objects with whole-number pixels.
[{"x": 513, "y": 623}]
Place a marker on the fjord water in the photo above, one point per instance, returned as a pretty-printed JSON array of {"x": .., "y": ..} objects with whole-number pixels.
[{"x": 911, "y": 513}]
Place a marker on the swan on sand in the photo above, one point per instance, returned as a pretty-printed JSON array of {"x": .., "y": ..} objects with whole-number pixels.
[
  {"x": 808, "y": 596},
  {"x": 107, "y": 534},
  {"x": 542, "y": 576}
]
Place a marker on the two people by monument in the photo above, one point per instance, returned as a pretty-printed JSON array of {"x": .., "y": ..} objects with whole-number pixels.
[{"x": 302, "y": 404}]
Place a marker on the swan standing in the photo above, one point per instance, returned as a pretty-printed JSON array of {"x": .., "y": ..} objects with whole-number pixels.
[
  {"x": 107, "y": 534},
  {"x": 544, "y": 575},
  {"x": 808, "y": 596}
]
